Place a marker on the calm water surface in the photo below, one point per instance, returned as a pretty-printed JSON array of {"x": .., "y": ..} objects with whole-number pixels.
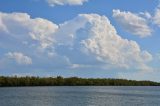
[{"x": 80, "y": 96}]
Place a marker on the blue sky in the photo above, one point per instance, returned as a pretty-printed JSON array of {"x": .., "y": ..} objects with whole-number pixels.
[{"x": 84, "y": 38}]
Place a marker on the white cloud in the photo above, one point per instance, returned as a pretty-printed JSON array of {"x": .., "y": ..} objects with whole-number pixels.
[
  {"x": 20, "y": 58},
  {"x": 98, "y": 38},
  {"x": 66, "y": 34},
  {"x": 22, "y": 27},
  {"x": 145, "y": 15},
  {"x": 65, "y": 2},
  {"x": 87, "y": 39},
  {"x": 156, "y": 18},
  {"x": 133, "y": 23}
]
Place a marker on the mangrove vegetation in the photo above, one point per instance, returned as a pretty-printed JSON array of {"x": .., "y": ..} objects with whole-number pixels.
[{"x": 72, "y": 81}]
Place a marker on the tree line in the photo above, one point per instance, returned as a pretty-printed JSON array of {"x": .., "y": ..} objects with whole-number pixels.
[{"x": 72, "y": 81}]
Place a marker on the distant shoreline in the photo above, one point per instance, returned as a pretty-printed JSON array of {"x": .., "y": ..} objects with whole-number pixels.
[{"x": 31, "y": 81}]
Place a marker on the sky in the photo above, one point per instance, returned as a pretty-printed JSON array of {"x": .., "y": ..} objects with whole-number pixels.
[{"x": 83, "y": 38}]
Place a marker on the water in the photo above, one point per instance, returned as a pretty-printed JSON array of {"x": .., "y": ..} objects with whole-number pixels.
[{"x": 80, "y": 96}]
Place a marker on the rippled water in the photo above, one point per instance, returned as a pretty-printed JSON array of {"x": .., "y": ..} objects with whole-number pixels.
[{"x": 80, "y": 96}]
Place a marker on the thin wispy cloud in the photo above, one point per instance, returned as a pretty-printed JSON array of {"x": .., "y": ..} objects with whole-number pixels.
[{"x": 65, "y": 2}]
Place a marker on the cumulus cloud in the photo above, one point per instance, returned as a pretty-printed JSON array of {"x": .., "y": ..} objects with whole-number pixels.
[
  {"x": 88, "y": 39},
  {"x": 146, "y": 15},
  {"x": 156, "y": 18},
  {"x": 133, "y": 23},
  {"x": 25, "y": 29},
  {"x": 96, "y": 37},
  {"x": 65, "y": 2},
  {"x": 20, "y": 58}
]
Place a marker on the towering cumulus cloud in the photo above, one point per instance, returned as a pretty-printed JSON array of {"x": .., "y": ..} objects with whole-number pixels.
[
  {"x": 133, "y": 23},
  {"x": 99, "y": 39},
  {"x": 65, "y": 2},
  {"x": 88, "y": 39}
]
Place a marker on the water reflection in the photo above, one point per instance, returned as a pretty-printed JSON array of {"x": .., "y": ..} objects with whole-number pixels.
[{"x": 80, "y": 96}]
